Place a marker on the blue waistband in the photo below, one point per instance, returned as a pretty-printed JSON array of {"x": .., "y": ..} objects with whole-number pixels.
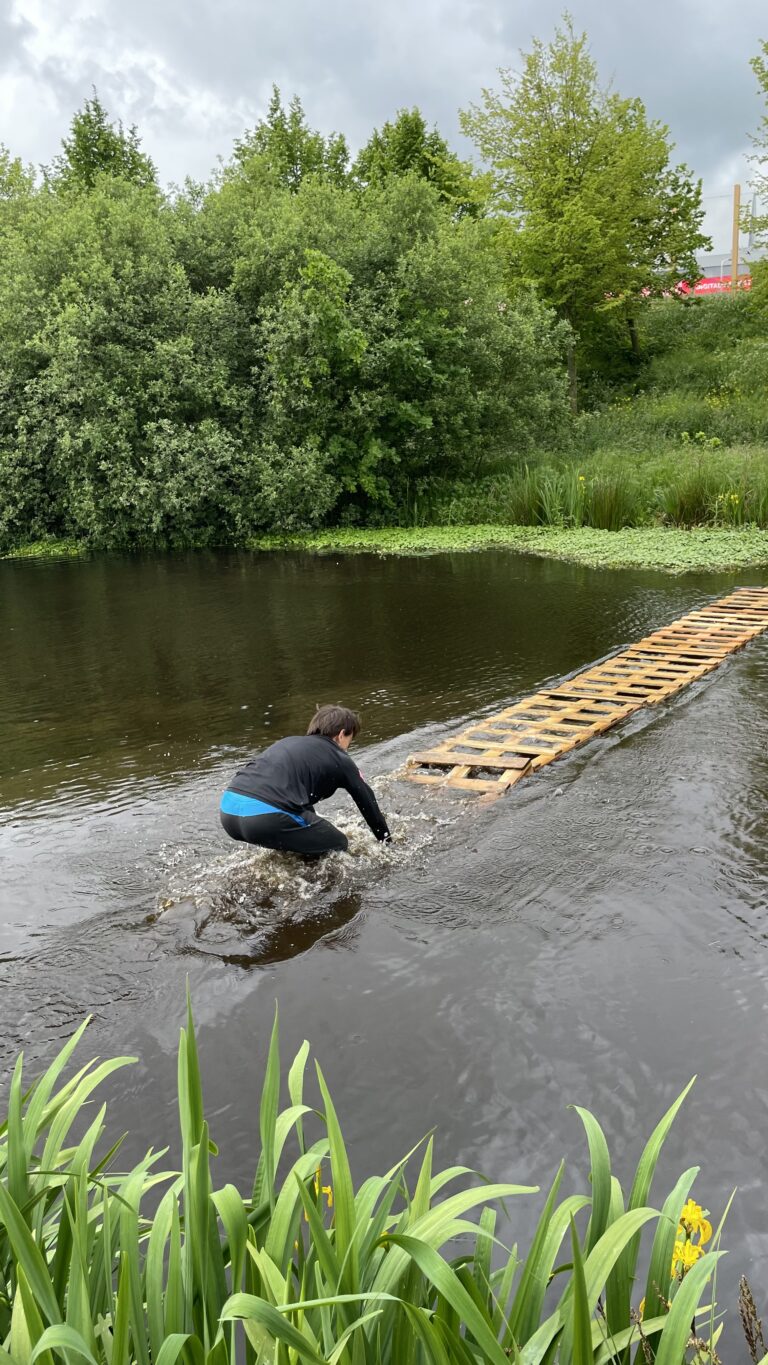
[{"x": 233, "y": 803}]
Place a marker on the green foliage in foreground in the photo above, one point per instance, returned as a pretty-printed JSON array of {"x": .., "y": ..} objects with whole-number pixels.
[
  {"x": 670, "y": 550},
  {"x": 93, "y": 1268}
]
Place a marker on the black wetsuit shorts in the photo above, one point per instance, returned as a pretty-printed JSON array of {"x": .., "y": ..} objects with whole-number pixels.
[{"x": 256, "y": 822}]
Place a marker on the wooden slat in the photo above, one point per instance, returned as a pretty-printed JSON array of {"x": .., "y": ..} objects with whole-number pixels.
[{"x": 538, "y": 729}]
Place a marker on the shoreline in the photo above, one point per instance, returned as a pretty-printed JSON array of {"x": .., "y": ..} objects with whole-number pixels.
[{"x": 666, "y": 549}]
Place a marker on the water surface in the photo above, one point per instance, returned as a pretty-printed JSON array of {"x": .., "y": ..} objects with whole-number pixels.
[{"x": 597, "y": 937}]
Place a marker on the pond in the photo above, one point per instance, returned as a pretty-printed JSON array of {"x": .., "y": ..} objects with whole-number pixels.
[{"x": 596, "y": 937}]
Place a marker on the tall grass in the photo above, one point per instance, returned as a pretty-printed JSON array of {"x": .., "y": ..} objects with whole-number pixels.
[
  {"x": 154, "y": 1266},
  {"x": 608, "y": 499},
  {"x": 692, "y": 484}
]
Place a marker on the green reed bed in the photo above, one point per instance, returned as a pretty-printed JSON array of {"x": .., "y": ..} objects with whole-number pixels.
[
  {"x": 691, "y": 484},
  {"x": 155, "y": 1266}
]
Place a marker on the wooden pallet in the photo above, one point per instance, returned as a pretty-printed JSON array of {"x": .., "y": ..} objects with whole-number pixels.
[{"x": 494, "y": 754}]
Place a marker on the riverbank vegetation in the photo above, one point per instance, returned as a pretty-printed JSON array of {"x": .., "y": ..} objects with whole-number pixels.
[
  {"x": 668, "y": 550},
  {"x": 685, "y": 443},
  {"x": 155, "y": 1265},
  {"x": 315, "y": 341}
]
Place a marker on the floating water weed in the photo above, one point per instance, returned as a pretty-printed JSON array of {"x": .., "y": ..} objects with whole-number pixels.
[
  {"x": 306, "y": 1267},
  {"x": 670, "y": 549}
]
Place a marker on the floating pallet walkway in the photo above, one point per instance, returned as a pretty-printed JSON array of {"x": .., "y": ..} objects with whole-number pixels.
[{"x": 493, "y": 755}]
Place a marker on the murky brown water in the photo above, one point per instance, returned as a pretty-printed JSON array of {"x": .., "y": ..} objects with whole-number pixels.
[{"x": 597, "y": 937}]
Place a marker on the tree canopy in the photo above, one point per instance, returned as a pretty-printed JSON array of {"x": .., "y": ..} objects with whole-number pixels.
[
  {"x": 286, "y": 149},
  {"x": 406, "y": 145},
  {"x": 96, "y": 146},
  {"x": 759, "y": 224},
  {"x": 759, "y": 64},
  {"x": 305, "y": 339},
  {"x": 596, "y": 215},
  {"x": 271, "y": 352}
]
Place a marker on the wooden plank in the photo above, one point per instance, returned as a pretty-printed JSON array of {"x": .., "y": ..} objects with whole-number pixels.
[{"x": 538, "y": 729}]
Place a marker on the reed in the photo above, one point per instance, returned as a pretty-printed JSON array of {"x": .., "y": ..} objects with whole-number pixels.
[
  {"x": 690, "y": 484},
  {"x": 152, "y": 1266}
]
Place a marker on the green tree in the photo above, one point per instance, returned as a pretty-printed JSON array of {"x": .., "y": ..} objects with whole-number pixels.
[
  {"x": 286, "y": 149},
  {"x": 406, "y": 144},
  {"x": 595, "y": 213},
  {"x": 759, "y": 158},
  {"x": 97, "y": 147},
  {"x": 17, "y": 181},
  {"x": 388, "y": 340},
  {"x": 17, "y": 188},
  {"x": 759, "y": 224},
  {"x": 254, "y": 356}
]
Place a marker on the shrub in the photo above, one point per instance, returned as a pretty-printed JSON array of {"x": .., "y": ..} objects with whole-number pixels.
[{"x": 190, "y": 372}]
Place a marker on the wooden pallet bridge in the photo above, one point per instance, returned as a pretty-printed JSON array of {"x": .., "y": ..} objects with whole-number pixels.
[{"x": 496, "y": 753}]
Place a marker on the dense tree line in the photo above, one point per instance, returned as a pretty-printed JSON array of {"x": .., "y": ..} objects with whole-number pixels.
[{"x": 311, "y": 338}]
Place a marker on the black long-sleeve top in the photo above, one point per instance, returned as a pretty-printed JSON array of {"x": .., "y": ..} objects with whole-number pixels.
[{"x": 295, "y": 772}]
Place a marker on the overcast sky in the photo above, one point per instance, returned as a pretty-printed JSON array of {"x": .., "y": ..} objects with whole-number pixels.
[{"x": 193, "y": 74}]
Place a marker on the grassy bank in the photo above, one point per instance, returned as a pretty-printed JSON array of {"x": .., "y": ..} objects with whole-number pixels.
[
  {"x": 681, "y": 441},
  {"x": 667, "y": 549}
]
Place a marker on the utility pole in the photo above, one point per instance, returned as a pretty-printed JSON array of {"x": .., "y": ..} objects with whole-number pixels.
[
  {"x": 752, "y": 217},
  {"x": 735, "y": 238}
]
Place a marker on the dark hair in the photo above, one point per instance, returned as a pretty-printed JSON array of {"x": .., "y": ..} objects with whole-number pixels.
[{"x": 331, "y": 720}]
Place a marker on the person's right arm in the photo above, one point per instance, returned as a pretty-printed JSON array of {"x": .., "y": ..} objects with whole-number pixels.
[{"x": 364, "y": 799}]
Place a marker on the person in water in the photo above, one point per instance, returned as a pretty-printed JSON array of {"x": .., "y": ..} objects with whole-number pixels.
[{"x": 270, "y": 802}]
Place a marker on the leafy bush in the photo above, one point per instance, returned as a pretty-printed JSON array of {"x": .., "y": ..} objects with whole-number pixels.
[
  {"x": 94, "y": 1267},
  {"x": 258, "y": 357}
]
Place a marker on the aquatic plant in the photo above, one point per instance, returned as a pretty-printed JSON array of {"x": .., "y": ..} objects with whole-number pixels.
[
  {"x": 307, "y": 1268},
  {"x": 669, "y": 549},
  {"x": 47, "y": 549}
]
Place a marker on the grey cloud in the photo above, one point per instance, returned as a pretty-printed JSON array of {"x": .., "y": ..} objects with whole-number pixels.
[
  {"x": 13, "y": 34},
  {"x": 193, "y": 73}
]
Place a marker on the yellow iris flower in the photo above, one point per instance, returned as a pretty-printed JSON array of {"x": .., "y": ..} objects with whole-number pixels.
[
  {"x": 327, "y": 1190},
  {"x": 693, "y": 1221},
  {"x": 685, "y": 1255},
  {"x": 693, "y": 1224}
]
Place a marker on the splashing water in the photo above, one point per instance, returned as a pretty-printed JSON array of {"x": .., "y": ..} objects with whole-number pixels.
[{"x": 264, "y": 899}]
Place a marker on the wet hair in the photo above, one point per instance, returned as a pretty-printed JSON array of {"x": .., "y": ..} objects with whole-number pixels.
[{"x": 331, "y": 720}]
